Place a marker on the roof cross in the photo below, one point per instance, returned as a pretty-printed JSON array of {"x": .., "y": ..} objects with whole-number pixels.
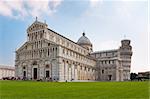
[{"x": 36, "y": 18}]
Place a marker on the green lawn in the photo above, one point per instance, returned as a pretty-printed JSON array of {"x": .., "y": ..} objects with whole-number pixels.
[{"x": 75, "y": 90}]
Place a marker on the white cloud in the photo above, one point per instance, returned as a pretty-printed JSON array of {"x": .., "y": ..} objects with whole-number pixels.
[
  {"x": 125, "y": 9},
  {"x": 55, "y": 3},
  {"x": 107, "y": 45},
  {"x": 5, "y": 10},
  {"x": 23, "y": 8},
  {"x": 38, "y": 7},
  {"x": 14, "y": 9},
  {"x": 95, "y": 3},
  {"x": 17, "y": 8}
]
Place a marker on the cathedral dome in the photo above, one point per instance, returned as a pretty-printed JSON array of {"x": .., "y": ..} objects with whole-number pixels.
[{"x": 83, "y": 40}]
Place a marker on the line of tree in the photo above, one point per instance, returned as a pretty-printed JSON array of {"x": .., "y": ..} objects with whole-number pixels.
[{"x": 134, "y": 76}]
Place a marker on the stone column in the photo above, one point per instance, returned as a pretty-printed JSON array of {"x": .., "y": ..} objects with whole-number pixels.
[
  {"x": 55, "y": 69},
  {"x": 29, "y": 69},
  {"x": 69, "y": 73},
  {"x": 20, "y": 71},
  {"x": 121, "y": 71},
  {"x": 16, "y": 70},
  {"x": 42, "y": 70},
  {"x": 61, "y": 71},
  {"x": 64, "y": 65},
  {"x": 73, "y": 71}
]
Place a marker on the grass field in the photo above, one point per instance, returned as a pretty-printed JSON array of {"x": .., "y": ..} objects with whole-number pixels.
[{"x": 75, "y": 90}]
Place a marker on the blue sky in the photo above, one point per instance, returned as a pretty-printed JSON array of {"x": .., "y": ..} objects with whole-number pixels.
[{"x": 105, "y": 23}]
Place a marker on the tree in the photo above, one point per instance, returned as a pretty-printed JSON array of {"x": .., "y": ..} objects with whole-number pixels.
[{"x": 133, "y": 76}]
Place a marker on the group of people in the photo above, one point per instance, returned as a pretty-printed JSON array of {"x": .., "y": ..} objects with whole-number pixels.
[
  {"x": 11, "y": 78},
  {"x": 25, "y": 78},
  {"x": 49, "y": 79}
]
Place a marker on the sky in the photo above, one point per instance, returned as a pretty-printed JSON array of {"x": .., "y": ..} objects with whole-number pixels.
[{"x": 105, "y": 23}]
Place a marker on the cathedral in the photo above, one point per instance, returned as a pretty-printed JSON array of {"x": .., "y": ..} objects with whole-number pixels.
[{"x": 49, "y": 55}]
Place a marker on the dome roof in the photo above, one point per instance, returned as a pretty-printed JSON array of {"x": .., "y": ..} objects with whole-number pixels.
[{"x": 83, "y": 40}]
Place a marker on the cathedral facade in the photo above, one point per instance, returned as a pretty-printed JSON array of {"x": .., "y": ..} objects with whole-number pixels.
[{"x": 48, "y": 55}]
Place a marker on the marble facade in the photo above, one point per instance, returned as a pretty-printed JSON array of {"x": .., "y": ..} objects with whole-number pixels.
[{"x": 47, "y": 54}]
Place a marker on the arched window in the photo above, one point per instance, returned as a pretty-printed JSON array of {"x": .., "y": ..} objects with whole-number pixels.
[
  {"x": 56, "y": 51},
  {"x": 41, "y": 44},
  {"x": 24, "y": 67},
  {"x": 35, "y": 63},
  {"x": 48, "y": 52},
  {"x": 48, "y": 44},
  {"x": 36, "y": 36},
  {"x": 102, "y": 71},
  {"x": 41, "y": 35},
  {"x": 47, "y": 66},
  {"x": 63, "y": 51},
  {"x": 109, "y": 62}
]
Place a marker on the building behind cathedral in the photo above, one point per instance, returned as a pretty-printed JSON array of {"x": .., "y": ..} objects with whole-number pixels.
[
  {"x": 48, "y": 54},
  {"x": 6, "y": 71}
]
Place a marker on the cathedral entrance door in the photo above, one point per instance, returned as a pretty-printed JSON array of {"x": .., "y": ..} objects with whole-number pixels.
[
  {"x": 35, "y": 73},
  {"x": 47, "y": 74},
  {"x": 24, "y": 73},
  {"x": 109, "y": 77}
]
